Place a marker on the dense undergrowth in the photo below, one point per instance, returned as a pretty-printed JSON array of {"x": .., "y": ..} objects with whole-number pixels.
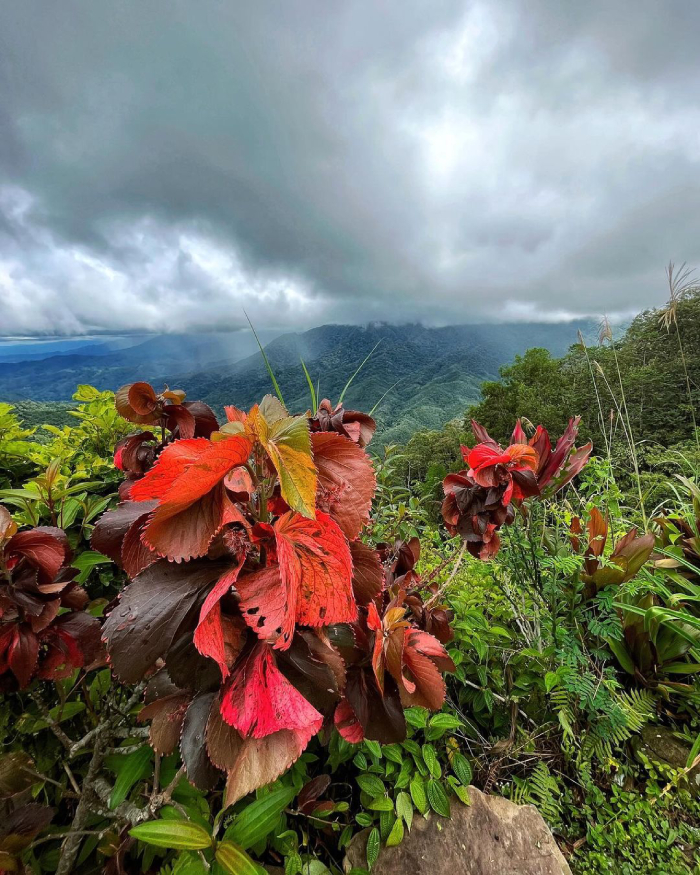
[{"x": 572, "y": 659}]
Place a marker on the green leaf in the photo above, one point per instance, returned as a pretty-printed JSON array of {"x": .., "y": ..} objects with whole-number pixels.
[
  {"x": 404, "y": 809},
  {"x": 462, "y": 768},
  {"x": 371, "y": 785},
  {"x": 417, "y": 789},
  {"x": 463, "y": 795},
  {"x": 130, "y": 769},
  {"x": 360, "y": 761},
  {"x": 386, "y": 823},
  {"x": 189, "y": 863},
  {"x": 396, "y": 834},
  {"x": 87, "y": 561},
  {"x": 437, "y": 797},
  {"x": 393, "y": 752},
  {"x": 620, "y": 652},
  {"x": 234, "y": 860},
  {"x": 374, "y": 748},
  {"x": 364, "y": 819},
  {"x": 172, "y": 834},
  {"x": 404, "y": 775},
  {"x": 259, "y": 819},
  {"x": 416, "y": 717},
  {"x": 381, "y": 803},
  {"x": 694, "y": 753},
  {"x": 292, "y": 864},
  {"x": 287, "y": 442},
  {"x": 28, "y": 724},
  {"x": 445, "y": 721},
  {"x": 551, "y": 679},
  {"x": 431, "y": 760},
  {"x": 373, "y": 842}
]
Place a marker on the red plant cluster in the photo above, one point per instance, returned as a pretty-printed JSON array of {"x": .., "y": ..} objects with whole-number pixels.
[
  {"x": 169, "y": 413},
  {"x": 480, "y": 500},
  {"x": 255, "y": 610},
  {"x": 44, "y": 631}
]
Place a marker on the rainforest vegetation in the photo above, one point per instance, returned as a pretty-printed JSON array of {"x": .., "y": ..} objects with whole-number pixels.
[{"x": 234, "y": 641}]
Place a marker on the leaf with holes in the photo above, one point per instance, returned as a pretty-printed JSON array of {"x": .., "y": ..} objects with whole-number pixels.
[{"x": 311, "y": 585}]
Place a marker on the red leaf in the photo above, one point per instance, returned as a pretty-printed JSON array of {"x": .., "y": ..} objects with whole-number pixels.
[
  {"x": 112, "y": 528},
  {"x": 44, "y": 547},
  {"x": 518, "y": 436},
  {"x": 260, "y": 700},
  {"x": 195, "y": 505},
  {"x": 177, "y": 416},
  {"x": 367, "y": 573},
  {"x": 172, "y": 462},
  {"x": 375, "y": 624},
  {"x": 22, "y": 654},
  {"x": 311, "y": 586},
  {"x": 315, "y": 559},
  {"x": 346, "y": 481},
  {"x": 482, "y": 436},
  {"x": 424, "y": 658},
  {"x": 267, "y": 606},
  {"x": 347, "y": 724},
  {"x": 209, "y": 634}
]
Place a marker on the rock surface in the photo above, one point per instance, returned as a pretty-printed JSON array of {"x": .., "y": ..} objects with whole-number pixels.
[
  {"x": 660, "y": 745},
  {"x": 492, "y": 836}
]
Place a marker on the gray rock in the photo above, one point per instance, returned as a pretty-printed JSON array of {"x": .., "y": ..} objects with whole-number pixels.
[
  {"x": 492, "y": 836},
  {"x": 661, "y": 746}
]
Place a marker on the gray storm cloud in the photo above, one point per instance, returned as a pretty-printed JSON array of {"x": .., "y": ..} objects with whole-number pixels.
[{"x": 164, "y": 165}]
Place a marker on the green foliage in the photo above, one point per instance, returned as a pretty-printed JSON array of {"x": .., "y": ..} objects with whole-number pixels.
[{"x": 551, "y": 689}]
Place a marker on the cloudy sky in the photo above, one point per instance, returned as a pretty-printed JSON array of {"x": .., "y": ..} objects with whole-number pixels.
[{"x": 165, "y": 164}]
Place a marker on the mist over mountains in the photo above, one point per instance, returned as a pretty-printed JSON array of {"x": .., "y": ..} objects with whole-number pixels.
[{"x": 423, "y": 377}]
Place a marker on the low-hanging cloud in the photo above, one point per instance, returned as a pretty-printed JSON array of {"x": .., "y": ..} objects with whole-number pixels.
[{"x": 166, "y": 165}]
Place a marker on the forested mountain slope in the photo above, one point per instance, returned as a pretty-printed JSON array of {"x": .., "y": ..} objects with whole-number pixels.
[{"x": 426, "y": 376}]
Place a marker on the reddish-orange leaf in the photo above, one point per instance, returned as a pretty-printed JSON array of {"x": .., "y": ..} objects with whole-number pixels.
[
  {"x": 196, "y": 506},
  {"x": 347, "y": 724},
  {"x": 268, "y": 606},
  {"x": 346, "y": 481},
  {"x": 173, "y": 461},
  {"x": 209, "y": 634},
  {"x": 312, "y": 585},
  {"x": 375, "y": 624},
  {"x": 259, "y": 699},
  {"x": 315, "y": 559}
]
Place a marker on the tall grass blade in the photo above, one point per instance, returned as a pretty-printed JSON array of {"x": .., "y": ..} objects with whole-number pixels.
[
  {"x": 265, "y": 359},
  {"x": 371, "y": 413},
  {"x": 312, "y": 391},
  {"x": 364, "y": 362}
]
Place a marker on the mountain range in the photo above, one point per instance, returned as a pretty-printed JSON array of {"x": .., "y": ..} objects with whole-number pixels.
[{"x": 418, "y": 377}]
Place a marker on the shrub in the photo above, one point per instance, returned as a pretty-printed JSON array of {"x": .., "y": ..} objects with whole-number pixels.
[{"x": 263, "y": 614}]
